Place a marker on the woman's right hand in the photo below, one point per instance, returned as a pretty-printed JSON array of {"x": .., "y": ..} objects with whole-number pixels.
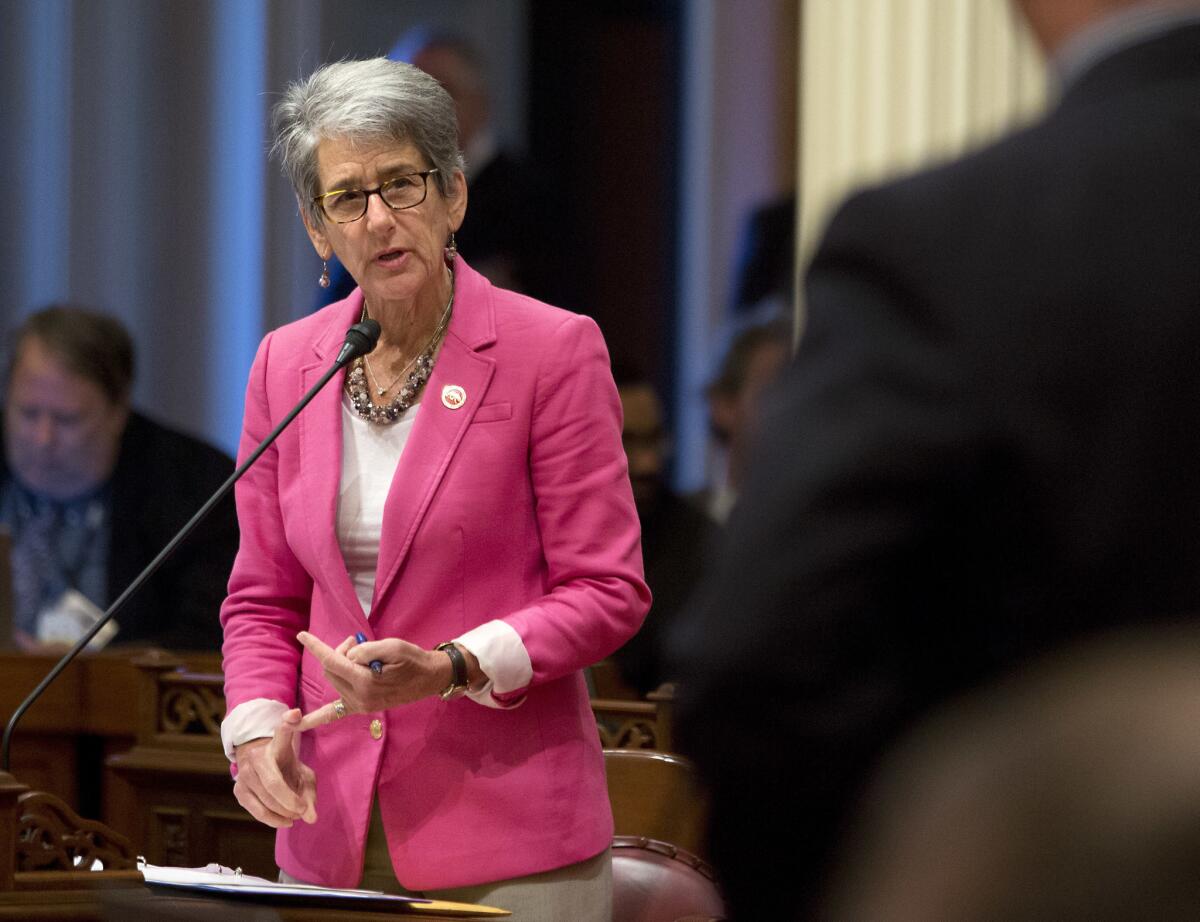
[{"x": 273, "y": 785}]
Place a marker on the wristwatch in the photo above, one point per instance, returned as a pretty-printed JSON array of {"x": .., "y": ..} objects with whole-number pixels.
[{"x": 458, "y": 684}]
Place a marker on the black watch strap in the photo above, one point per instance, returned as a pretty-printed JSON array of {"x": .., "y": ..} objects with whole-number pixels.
[{"x": 458, "y": 663}]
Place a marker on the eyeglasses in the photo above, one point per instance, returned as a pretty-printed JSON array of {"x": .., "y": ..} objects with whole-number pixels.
[{"x": 342, "y": 206}]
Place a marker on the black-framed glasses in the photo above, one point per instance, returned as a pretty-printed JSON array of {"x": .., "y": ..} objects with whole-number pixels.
[{"x": 342, "y": 206}]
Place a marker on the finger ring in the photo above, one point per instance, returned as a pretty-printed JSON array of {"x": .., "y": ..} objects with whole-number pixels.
[{"x": 339, "y": 709}]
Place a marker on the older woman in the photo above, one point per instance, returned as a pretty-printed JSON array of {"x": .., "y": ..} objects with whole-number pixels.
[{"x": 432, "y": 554}]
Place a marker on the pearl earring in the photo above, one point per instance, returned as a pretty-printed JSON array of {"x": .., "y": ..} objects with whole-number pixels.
[{"x": 323, "y": 281}]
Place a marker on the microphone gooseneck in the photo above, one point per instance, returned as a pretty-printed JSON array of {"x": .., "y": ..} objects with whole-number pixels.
[{"x": 360, "y": 339}]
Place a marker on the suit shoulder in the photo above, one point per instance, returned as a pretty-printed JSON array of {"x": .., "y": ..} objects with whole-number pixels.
[
  {"x": 152, "y": 452},
  {"x": 962, "y": 185},
  {"x": 1070, "y": 153},
  {"x": 148, "y": 435}
]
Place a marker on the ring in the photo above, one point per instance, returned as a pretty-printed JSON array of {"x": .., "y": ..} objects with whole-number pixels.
[{"x": 339, "y": 709}]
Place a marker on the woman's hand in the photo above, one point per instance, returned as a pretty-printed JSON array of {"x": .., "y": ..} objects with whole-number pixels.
[
  {"x": 409, "y": 674},
  {"x": 272, "y": 783}
]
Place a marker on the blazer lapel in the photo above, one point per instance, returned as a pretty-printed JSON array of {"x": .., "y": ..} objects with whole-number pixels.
[{"x": 320, "y": 459}]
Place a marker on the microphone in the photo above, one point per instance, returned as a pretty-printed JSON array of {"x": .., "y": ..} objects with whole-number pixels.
[{"x": 360, "y": 339}]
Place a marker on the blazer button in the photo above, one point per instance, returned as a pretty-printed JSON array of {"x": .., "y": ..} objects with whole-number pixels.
[{"x": 376, "y": 729}]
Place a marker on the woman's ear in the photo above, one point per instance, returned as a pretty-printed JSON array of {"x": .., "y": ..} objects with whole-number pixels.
[
  {"x": 316, "y": 233},
  {"x": 458, "y": 203}
]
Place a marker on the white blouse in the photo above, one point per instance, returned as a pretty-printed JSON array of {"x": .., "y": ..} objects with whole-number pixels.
[{"x": 370, "y": 455}]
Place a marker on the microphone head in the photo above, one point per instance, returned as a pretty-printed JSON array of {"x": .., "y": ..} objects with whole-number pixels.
[
  {"x": 360, "y": 339},
  {"x": 364, "y": 335}
]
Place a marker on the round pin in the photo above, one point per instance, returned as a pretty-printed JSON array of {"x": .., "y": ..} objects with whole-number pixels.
[{"x": 453, "y": 396}]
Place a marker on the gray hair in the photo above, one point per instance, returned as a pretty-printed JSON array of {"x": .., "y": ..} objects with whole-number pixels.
[{"x": 364, "y": 101}]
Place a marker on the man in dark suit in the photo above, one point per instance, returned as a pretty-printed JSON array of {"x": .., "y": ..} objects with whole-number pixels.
[
  {"x": 987, "y": 446},
  {"x": 91, "y": 491}
]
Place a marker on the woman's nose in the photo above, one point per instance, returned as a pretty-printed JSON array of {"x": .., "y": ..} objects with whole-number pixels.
[{"x": 377, "y": 209}]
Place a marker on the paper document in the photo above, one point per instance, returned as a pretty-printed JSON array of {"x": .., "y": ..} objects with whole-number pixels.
[
  {"x": 216, "y": 877},
  {"x": 220, "y": 880}
]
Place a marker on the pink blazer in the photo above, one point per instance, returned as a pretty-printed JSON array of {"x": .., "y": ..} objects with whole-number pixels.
[{"x": 516, "y": 506}]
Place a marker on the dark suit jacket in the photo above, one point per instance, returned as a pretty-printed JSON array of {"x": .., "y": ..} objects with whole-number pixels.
[
  {"x": 675, "y": 537},
  {"x": 161, "y": 479},
  {"x": 505, "y": 216},
  {"x": 989, "y": 444}
]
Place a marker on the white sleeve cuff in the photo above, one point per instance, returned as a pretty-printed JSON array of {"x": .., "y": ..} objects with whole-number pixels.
[
  {"x": 251, "y": 720},
  {"x": 504, "y": 660}
]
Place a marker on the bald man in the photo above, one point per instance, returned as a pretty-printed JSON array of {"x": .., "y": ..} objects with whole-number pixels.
[{"x": 986, "y": 447}]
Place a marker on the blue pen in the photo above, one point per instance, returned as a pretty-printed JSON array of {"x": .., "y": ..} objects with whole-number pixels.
[{"x": 376, "y": 665}]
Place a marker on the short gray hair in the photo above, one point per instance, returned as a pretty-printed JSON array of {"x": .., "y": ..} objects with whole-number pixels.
[{"x": 364, "y": 101}]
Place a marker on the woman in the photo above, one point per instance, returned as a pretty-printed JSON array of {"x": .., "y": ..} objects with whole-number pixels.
[{"x": 466, "y": 486}]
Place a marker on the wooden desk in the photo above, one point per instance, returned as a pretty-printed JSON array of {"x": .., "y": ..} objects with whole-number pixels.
[
  {"x": 43, "y": 843},
  {"x": 88, "y": 713},
  {"x": 109, "y": 905}
]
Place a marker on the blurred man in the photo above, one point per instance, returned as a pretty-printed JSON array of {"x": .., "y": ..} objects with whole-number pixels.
[
  {"x": 91, "y": 491},
  {"x": 735, "y": 396},
  {"x": 986, "y": 447},
  {"x": 765, "y": 269},
  {"x": 499, "y": 235},
  {"x": 675, "y": 533}
]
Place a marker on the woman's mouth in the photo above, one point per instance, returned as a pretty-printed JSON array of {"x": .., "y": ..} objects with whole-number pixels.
[{"x": 391, "y": 258}]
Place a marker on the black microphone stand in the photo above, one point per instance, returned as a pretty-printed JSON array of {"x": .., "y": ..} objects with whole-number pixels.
[{"x": 360, "y": 339}]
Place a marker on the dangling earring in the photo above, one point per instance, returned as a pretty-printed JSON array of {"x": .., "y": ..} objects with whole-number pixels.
[
  {"x": 323, "y": 281},
  {"x": 451, "y": 250}
]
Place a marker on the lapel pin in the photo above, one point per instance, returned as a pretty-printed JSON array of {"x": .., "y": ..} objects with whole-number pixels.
[{"x": 453, "y": 396}]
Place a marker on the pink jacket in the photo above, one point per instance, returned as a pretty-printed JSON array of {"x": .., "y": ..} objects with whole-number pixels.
[{"x": 516, "y": 506}]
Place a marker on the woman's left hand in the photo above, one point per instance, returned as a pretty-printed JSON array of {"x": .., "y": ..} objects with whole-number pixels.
[{"x": 409, "y": 674}]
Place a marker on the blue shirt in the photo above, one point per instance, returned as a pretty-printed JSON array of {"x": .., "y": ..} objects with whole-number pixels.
[{"x": 56, "y": 546}]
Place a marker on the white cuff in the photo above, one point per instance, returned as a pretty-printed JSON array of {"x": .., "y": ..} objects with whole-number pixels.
[
  {"x": 502, "y": 657},
  {"x": 251, "y": 720}
]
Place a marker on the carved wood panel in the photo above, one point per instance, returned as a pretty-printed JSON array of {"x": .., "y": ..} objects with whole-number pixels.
[{"x": 52, "y": 837}]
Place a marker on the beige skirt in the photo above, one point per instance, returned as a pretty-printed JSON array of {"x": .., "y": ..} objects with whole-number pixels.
[{"x": 580, "y": 892}]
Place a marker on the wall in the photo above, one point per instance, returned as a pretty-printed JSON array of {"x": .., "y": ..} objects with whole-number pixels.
[
  {"x": 135, "y": 159},
  {"x": 738, "y": 139}
]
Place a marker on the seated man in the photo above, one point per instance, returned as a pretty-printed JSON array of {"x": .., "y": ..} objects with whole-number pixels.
[
  {"x": 675, "y": 533},
  {"x": 755, "y": 358},
  {"x": 91, "y": 491}
]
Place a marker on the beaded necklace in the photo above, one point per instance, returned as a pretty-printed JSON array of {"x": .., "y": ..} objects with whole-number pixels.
[{"x": 422, "y": 367}]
